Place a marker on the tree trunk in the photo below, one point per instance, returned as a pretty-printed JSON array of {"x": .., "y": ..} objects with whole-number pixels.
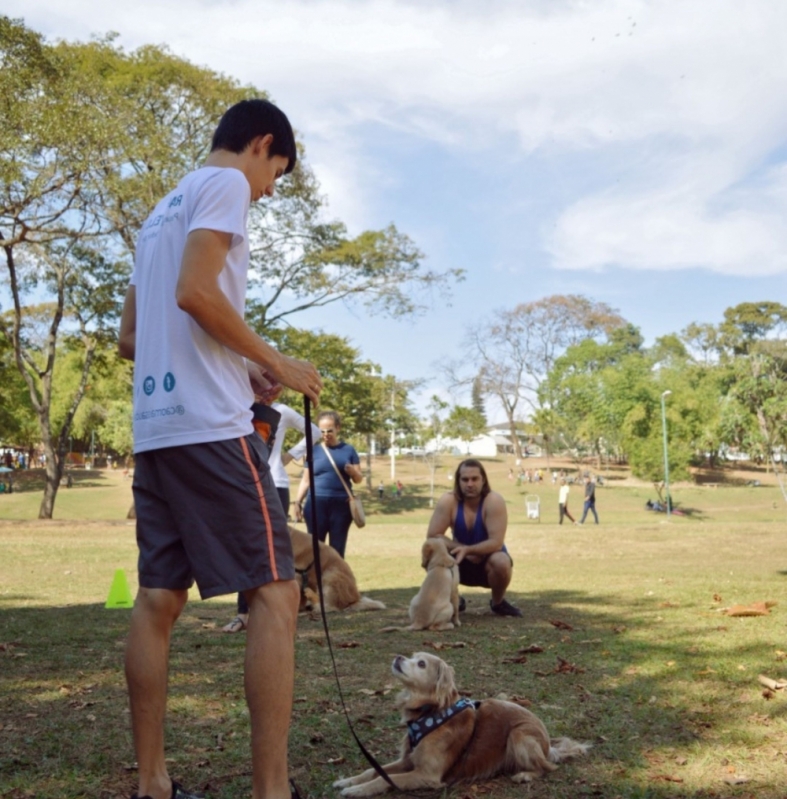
[
  {"x": 513, "y": 430},
  {"x": 54, "y": 473},
  {"x": 369, "y": 461}
]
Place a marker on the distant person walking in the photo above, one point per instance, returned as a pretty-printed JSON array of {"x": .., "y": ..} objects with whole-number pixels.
[
  {"x": 590, "y": 500},
  {"x": 563, "y": 502}
]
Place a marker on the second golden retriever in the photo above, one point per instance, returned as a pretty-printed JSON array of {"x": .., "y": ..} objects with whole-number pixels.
[
  {"x": 338, "y": 581},
  {"x": 451, "y": 739},
  {"x": 436, "y": 605}
]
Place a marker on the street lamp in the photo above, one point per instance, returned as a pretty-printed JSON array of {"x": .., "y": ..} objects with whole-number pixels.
[
  {"x": 393, "y": 431},
  {"x": 666, "y": 459}
]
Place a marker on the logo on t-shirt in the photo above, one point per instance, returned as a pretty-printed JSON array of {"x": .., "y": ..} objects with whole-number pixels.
[
  {"x": 149, "y": 385},
  {"x": 169, "y": 381}
]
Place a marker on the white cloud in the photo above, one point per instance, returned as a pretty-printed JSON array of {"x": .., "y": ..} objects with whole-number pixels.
[{"x": 693, "y": 87}]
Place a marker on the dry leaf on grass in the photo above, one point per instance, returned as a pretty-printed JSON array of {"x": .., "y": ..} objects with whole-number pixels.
[
  {"x": 736, "y": 780},
  {"x": 349, "y": 645},
  {"x": 533, "y": 649},
  {"x": 517, "y": 659},
  {"x": 561, "y": 625},
  {"x": 438, "y": 645},
  {"x": 564, "y": 667}
]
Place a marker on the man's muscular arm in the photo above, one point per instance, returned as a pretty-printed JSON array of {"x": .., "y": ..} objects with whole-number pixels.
[{"x": 441, "y": 519}]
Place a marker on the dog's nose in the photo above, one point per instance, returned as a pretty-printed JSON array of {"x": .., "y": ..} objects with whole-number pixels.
[{"x": 397, "y": 663}]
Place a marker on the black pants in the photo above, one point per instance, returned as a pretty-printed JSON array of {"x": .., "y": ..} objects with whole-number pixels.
[{"x": 564, "y": 512}]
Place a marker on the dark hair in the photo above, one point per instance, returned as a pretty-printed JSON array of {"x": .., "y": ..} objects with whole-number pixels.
[
  {"x": 251, "y": 118},
  {"x": 473, "y": 463},
  {"x": 337, "y": 420}
]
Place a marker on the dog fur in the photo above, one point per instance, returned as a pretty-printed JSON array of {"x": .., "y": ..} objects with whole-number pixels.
[
  {"x": 436, "y": 605},
  {"x": 495, "y": 737},
  {"x": 338, "y": 581}
]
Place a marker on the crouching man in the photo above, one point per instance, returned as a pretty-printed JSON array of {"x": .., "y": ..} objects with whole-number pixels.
[{"x": 478, "y": 520}]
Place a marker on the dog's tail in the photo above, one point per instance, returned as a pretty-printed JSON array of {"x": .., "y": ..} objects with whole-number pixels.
[
  {"x": 563, "y": 748},
  {"x": 365, "y": 603}
]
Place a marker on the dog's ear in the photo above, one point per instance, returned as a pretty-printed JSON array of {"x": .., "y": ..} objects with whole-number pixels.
[
  {"x": 426, "y": 554},
  {"x": 445, "y": 688}
]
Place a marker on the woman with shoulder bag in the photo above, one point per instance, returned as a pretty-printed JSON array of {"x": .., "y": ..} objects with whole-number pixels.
[{"x": 336, "y": 464}]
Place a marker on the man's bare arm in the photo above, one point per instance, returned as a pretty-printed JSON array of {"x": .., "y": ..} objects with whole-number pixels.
[
  {"x": 199, "y": 295},
  {"x": 128, "y": 325},
  {"x": 440, "y": 522}
]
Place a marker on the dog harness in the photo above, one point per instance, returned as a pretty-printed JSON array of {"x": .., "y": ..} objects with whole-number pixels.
[{"x": 418, "y": 729}]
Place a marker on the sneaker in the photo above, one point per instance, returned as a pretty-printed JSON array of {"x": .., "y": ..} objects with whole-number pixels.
[
  {"x": 505, "y": 609},
  {"x": 178, "y": 792},
  {"x": 462, "y": 604}
]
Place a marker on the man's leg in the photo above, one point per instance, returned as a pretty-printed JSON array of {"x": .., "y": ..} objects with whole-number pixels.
[
  {"x": 269, "y": 668},
  {"x": 595, "y": 515},
  {"x": 147, "y": 660},
  {"x": 585, "y": 509},
  {"x": 498, "y": 574},
  {"x": 562, "y": 512}
]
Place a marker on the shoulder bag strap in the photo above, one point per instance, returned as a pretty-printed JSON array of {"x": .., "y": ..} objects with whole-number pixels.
[{"x": 336, "y": 469}]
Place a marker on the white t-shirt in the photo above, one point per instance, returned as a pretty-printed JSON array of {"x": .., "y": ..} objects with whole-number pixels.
[
  {"x": 290, "y": 419},
  {"x": 563, "y": 495},
  {"x": 188, "y": 388}
]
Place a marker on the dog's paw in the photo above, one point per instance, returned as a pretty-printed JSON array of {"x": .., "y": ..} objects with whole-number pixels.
[{"x": 343, "y": 783}]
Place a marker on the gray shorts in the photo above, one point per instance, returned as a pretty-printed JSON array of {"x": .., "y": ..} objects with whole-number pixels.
[{"x": 210, "y": 513}]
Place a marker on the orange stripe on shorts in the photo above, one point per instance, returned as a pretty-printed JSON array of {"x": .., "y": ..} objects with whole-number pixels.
[{"x": 264, "y": 506}]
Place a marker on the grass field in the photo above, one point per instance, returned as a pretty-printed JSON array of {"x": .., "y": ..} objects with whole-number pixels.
[{"x": 637, "y": 657}]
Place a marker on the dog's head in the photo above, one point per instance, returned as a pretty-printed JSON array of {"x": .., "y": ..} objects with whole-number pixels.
[
  {"x": 435, "y": 552},
  {"x": 426, "y": 678}
]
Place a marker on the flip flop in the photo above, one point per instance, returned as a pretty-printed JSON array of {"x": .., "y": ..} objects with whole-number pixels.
[{"x": 237, "y": 625}]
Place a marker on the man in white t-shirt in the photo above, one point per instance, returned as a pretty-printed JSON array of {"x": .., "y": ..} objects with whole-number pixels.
[{"x": 207, "y": 509}]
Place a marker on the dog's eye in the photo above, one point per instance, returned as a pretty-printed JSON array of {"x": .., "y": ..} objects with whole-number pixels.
[{"x": 421, "y": 664}]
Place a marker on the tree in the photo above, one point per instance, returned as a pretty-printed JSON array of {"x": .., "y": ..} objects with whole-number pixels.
[
  {"x": 477, "y": 397},
  {"x": 464, "y": 423},
  {"x": 433, "y": 430},
  {"x": 750, "y": 322},
  {"x": 92, "y": 138},
  {"x": 515, "y": 350}
]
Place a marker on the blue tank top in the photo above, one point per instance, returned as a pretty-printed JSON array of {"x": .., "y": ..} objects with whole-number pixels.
[
  {"x": 465, "y": 536},
  {"x": 477, "y": 534}
]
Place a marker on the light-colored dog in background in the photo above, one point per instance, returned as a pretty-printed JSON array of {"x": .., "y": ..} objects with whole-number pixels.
[
  {"x": 436, "y": 605},
  {"x": 338, "y": 581},
  {"x": 467, "y": 741}
]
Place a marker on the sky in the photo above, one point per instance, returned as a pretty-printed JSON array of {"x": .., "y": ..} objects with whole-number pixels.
[{"x": 634, "y": 152}]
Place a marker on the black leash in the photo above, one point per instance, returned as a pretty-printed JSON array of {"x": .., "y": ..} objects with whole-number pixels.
[{"x": 318, "y": 572}]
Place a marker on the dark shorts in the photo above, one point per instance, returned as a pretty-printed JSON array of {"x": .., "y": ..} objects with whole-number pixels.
[
  {"x": 210, "y": 513},
  {"x": 474, "y": 574}
]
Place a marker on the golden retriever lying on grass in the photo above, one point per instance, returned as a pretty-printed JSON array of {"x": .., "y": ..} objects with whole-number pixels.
[
  {"x": 338, "y": 582},
  {"x": 451, "y": 739}
]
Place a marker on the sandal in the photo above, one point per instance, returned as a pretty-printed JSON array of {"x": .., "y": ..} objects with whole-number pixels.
[{"x": 237, "y": 625}]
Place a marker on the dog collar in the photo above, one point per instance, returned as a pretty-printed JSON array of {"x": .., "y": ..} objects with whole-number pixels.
[{"x": 418, "y": 729}]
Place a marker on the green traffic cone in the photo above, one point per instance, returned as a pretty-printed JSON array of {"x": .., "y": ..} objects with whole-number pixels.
[{"x": 119, "y": 593}]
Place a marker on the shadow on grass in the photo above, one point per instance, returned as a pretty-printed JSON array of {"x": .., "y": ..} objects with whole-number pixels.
[
  {"x": 35, "y": 479},
  {"x": 603, "y": 676}
]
